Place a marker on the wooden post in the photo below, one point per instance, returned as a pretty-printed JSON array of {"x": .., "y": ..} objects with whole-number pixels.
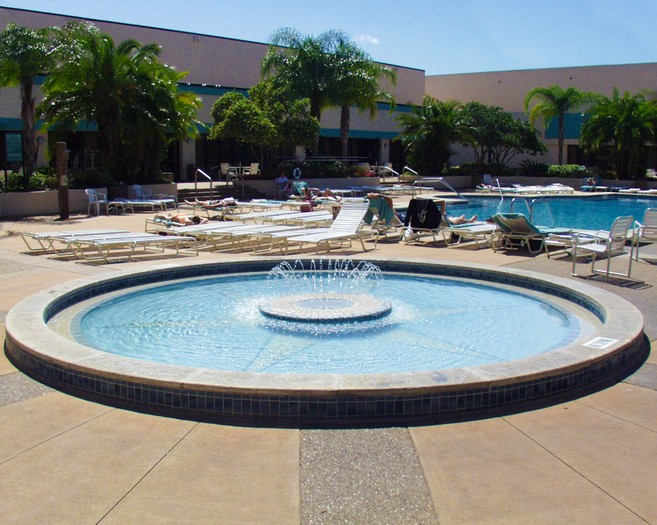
[{"x": 62, "y": 179}]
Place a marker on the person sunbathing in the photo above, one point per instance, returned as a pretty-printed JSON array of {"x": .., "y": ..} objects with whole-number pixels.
[
  {"x": 180, "y": 219},
  {"x": 212, "y": 204},
  {"x": 319, "y": 196},
  {"x": 462, "y": 219}
]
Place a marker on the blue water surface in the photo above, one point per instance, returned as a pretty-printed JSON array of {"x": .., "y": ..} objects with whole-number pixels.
[
  {"x": 435, "y": 324},
  {"x": 588, "y": 213}
]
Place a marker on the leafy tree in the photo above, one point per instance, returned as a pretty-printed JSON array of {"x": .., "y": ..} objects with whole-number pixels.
[
  {"x": 266, "y": 121},
  {"x": 290, "y": 115},
  {"x": 237, "y": 117},
  {"x": 357, "y": 84},
  {"x": 429, "y": 130},
  {"x": 554, "y": 102},
  {"x": 131, "y": 96},
  {"x": 304, "y": 65},
  {"x": 624, "y": 126},
  {"x": 24, "y": 54},
  {"x": 495, "y": 136}
]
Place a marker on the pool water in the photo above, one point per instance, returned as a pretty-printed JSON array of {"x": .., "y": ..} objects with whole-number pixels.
[
  {"x": 435, "y": 323},
  {"x": 590, "y": 213}
]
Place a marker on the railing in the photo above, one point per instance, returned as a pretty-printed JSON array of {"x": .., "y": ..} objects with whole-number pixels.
[
  {"x": 196, "y": 173},
  {"x": 531, "y": 207},
  {"x": 439, "y": 180}
]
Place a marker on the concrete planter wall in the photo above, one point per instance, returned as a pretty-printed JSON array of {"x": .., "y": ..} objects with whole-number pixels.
[{"x": 35, "y": 203}]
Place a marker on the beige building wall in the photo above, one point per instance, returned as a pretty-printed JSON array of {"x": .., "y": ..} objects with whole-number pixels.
[
  {"x": 211, "y": 60},
  {"x": 508, "y": 89}
]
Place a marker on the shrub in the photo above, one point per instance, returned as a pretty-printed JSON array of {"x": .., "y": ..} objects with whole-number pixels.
[
  {"x": 572, "y": 171},
  {"x": 533, "y": 168},
  {"x": 90, "y": 179}
]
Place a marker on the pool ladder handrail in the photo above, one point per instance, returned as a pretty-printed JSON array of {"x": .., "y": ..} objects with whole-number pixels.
[
  {"x": 440, "y": 180},
  {"x": 196, "y": 174},
  {"x": 531, "y": 207}
]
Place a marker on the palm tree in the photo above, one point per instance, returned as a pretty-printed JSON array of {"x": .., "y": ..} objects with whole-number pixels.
[
  {"x": 304, "y": 65},
  {"x": 623, "y": 125},
  {"x": 429, "y": 131},
  {"x": 554, "y": 101},
  {"x": 131, "y": 96},
  {"x": 357, "y": 84},
  {"x": 24, "y": 54}
]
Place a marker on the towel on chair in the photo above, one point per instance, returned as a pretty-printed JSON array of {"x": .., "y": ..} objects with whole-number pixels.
[{"x": 422, "y": 214}]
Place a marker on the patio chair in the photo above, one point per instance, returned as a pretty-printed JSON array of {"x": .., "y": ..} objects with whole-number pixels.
[
  {"x": 605, "y": 244},
  {"x": 97, "y": 201},
  {"x": 647, "y": 230},
  {"x": 516, "y": 231},
  {"x": 228, "y": 173},
  {"x": 423, "y": 218},
  {"x": 252, "y": 171}
]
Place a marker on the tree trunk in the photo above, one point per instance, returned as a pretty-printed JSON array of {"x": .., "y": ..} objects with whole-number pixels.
[
  {"x": 29, "y": 132},
  {"x": 344, "y": 130},
  {"x": 560, "y": 142}
]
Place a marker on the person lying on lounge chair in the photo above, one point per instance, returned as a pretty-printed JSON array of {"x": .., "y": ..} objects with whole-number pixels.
[
  {"x": 212, "y": 204},
  {"x": 180, "y": 219},
  {"x": 461, "y": 219},
  {"x": 316, "y": 196}
]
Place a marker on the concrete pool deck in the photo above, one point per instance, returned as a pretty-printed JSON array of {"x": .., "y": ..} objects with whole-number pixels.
[{"x": 66, "y": 460}]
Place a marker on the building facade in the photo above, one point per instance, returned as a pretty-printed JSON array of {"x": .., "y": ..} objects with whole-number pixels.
[
  {"x": 215, "y": 65},
  {"x": 508, "y": 89}
]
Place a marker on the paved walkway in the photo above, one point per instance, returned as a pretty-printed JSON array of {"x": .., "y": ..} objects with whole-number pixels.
[{"x": 64, "y": 460}]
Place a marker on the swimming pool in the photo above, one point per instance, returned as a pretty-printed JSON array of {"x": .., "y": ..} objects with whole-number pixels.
[{"x": 590, "y": 213}]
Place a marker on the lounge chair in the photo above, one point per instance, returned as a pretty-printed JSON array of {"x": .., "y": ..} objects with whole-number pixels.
[
  {"x": 345, "y": 228},
  {"x": 516, "y": 231},
  {"x": 605, "y": 244},
  {"x": 478, "y": 231},
  {"x": 647, "y": 230},
  {"x": 143, "y": 199},
  {"x": 45, "y": 240},
  {"x": 99, "y": 247},
  {"x": 382, "y": 218},
  {"x": 423, "y": 219}
]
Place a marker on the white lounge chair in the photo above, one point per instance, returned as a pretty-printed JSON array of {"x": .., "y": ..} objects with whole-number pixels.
[
  {"x": 102, "y": 248},
  {"x": 605, "y": 244},
  {"x": 345, "y": 228},
  {"x": 647, "y": 230},
  {"x": 45, "y": 240},
  {"x": 478, "y": 231}
]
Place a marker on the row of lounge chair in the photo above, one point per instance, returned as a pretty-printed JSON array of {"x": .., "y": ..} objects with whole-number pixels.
[{"x": 104, "y": 245}]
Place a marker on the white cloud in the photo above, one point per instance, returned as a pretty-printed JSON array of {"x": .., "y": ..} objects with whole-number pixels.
[{"x": 366, "y": 39}]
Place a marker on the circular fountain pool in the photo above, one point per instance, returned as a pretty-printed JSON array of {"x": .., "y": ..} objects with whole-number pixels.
[{"x": 324, "y": 342}]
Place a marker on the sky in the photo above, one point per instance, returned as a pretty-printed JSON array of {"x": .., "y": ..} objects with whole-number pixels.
[{"x": 438, "y": 36}]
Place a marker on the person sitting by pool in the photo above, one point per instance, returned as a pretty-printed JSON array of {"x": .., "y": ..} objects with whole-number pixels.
[
  {"x": 315, "y": 197},
  {"x": 283, "y": 183},
  {"x": 180, "y": 219}
]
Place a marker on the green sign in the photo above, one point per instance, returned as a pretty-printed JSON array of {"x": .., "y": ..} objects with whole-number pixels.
[{"x": 14, "y": 145}]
